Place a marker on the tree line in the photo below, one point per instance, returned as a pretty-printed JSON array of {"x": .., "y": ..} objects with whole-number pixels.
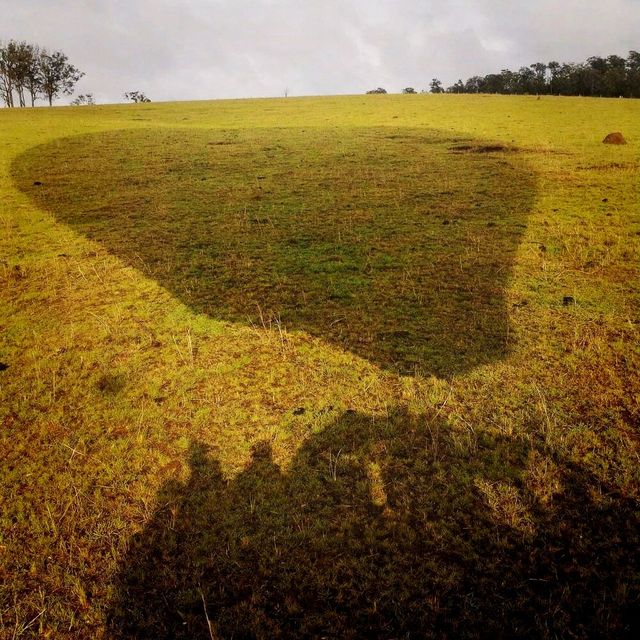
[
  {"x": 609, "y": 77},
  {"x": 29, "y": 72}
]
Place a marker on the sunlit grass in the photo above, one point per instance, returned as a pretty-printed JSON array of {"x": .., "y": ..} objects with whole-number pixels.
[{"x": 311, "y": 366}]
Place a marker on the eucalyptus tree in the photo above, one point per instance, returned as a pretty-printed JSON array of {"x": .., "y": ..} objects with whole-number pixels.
[
  {"x": 57, "y": 75},
  {"x": 28, "y": 72},
  {"x": 435, "y": 86}
]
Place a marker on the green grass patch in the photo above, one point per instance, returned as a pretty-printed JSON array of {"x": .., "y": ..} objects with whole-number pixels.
[{"x": 384, "y": 242}]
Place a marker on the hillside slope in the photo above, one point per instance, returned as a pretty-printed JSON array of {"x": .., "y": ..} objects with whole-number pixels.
[{"x": 363, "y": 366}]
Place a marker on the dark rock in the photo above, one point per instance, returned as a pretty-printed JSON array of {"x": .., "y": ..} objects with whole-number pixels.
[{"x": 567, "y": 300}]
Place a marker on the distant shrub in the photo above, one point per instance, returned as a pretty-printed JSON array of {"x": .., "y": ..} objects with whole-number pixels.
[
  {"x": 378, "y": 90},
  {"x": 136, "y": 96},
  {"x": 84, "y": 99}
]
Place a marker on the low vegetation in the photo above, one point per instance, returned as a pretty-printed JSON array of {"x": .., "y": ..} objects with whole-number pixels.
[{"x": 329, "y": 367}]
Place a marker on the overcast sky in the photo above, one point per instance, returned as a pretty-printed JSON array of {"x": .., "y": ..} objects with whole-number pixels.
[{"x": 199, "y": 49}]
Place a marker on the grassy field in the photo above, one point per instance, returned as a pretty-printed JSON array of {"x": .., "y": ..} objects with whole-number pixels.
[{"x": 320, "y": 367}]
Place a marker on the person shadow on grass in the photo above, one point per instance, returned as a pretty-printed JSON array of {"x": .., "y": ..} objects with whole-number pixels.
[{"x": 383, "y": 528}]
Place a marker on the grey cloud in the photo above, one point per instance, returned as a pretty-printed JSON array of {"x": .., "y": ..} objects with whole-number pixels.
[{"x": 236, "y": 48}]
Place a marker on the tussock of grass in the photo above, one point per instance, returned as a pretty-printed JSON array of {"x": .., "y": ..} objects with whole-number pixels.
[{"x": 299, "y": 365}]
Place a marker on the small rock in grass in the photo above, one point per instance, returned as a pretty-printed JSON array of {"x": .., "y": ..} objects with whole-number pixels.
[
  {"x": 299, "y": 411},
  {"x": 567, "y": 300},
  {"x": 3, "y": 366},
  {"x": 37, "y": 183},
  {"x": 614, "y": 138}
]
